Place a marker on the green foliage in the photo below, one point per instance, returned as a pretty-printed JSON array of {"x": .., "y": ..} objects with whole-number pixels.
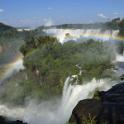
[
  {"x": 113, "y": 25},
  {"x": 86, "y": 120},
  {"x": 10, "y": 48},
  {"x": 121, "y": 27},
  {"x": 49, "y": 62},
  {"x": 89, "y": 120},
  {"x": 4, "y": 28},
  {"x": 34, "y": 42}
]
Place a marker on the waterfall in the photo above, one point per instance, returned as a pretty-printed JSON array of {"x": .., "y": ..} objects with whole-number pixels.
[
  {"x": 59, "y": 112},
  {"x": 64, "y": 35},
  {"x": 119, "y": 60},
  {"x": 119, "y": 57}
]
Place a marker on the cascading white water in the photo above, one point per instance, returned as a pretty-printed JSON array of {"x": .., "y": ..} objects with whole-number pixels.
[
  {"x": 72, "y": 94},
  {"x": 119, "y": 57},
  {"x": 119, "y": 60},
  {"x": 57, "y": 112},
  {"x": 64, "y": 35}
]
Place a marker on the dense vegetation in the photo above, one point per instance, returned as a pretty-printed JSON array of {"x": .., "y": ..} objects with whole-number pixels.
[
  {"x": 48, "y": 63},
  {"x": 4, "y": 27},
  {"x": 121, "y": 27},
  {"x": 9, "y": 46}
]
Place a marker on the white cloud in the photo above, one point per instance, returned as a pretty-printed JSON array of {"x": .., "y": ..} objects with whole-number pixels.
[
  {"x": 48, "y": 22},
  {"x": 101, "y": 15},
  {"x": 91, "y": 21},
  {"x": 115, "y": 13},
  {"x": 1, "y": 10},
  {"x": 49, "y": 8}
]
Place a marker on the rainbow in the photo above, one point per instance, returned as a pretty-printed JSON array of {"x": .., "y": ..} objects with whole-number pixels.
[
  {"x": 64, "y": 35},
  {"x": 97, "y": 36},
  {"x": 14, "y": 66}
]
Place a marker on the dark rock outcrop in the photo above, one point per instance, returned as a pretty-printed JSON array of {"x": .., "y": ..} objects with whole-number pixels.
[
  {"x": 85, "y": 108},
  {"x": 110, "y": 109},
  {"x": 4, "y": 120},
  {"x": 112, "y": 105}
]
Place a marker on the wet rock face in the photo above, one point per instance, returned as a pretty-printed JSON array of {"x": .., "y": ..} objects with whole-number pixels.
[
  {"x": 85, "y": 108},
  {"x": 110, "y": 108},
  {"x": 4, "y": 120},
  {"x": 117, "y": 89}
]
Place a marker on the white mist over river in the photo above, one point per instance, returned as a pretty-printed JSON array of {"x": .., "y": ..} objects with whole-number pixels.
[{"x": 59, "y": 112}]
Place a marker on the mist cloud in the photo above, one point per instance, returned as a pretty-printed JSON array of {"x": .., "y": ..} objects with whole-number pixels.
[
  {"x": 101, "y": 15},
  {"x": 49, "y": 8},
  {"x": 115, "y": 13},
  {"x": 1, "y": 10},
  {"x": 48, "y": 22}
]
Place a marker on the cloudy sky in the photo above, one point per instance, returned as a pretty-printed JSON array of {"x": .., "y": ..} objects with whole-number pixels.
[{"x": 38, "y": 12}]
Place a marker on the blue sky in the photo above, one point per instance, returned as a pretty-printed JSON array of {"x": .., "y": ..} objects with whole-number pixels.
[{"x": 38, "y": 12}]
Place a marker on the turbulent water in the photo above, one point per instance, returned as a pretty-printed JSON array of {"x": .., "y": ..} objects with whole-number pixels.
[
  {"x": 59, "y": 112},
  {"x": 64, "y": 35}
]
